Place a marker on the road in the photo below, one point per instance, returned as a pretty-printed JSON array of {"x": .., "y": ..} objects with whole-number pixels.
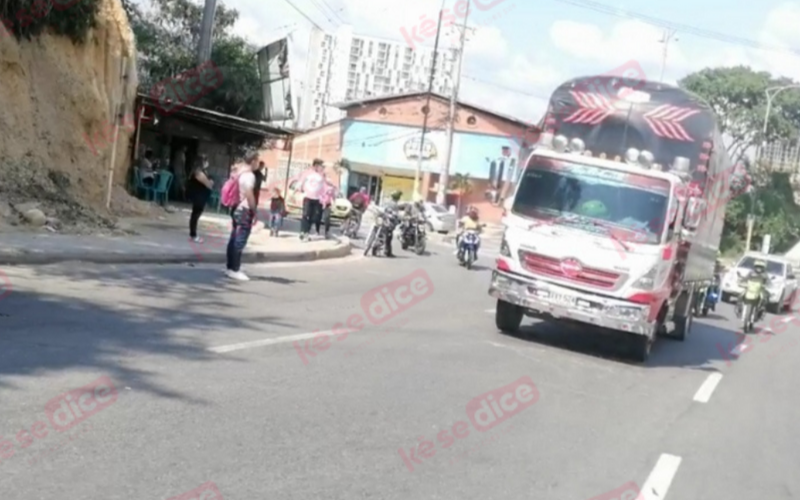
[{"x": 222, "y": 382}]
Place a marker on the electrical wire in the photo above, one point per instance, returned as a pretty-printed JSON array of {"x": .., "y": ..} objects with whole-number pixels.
[{"x": 295, "y": 7}]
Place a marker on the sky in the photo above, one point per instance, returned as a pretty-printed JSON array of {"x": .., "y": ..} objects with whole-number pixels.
[{"x": 518, "y": 51}]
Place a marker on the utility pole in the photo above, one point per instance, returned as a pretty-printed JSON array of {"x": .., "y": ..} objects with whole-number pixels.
[
  {"x": 206, "y": 32},
  {"x": 427, "y": 108},
  {"x": 667, "y": 37},
  {"x": 327, "y": 95},
  {"x": 444, "y": 176}
]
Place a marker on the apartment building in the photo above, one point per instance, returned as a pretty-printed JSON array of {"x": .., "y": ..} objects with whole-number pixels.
[
  {"x": 344, "y": 67},
  {"x": 781, "y": 156}
]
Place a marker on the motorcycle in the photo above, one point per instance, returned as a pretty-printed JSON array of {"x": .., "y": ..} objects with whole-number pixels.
[
  {"x": 385, "y": 223},
  {"x": 468, "y": 248},
  {"x": 749, "y": 307},
  {"x": 412, "y": 234},
  {"x": 707, "y": 300},
  {"x": 352, "y": 222}
]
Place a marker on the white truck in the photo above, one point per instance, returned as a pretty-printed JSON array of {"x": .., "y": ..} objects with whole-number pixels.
[{"x": 617, "y": 217}]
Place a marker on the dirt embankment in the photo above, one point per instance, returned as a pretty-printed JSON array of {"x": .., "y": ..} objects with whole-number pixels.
[{"x": 54, "y": 96}]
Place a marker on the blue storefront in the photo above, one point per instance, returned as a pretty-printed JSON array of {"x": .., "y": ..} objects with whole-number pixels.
[{"x": 380, "y": 153}]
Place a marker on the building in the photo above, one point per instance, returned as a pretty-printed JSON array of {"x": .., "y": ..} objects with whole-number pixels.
[
  {"x": 782, "y": 156},
  {"x": 345, "y": 67},
  {"x": 377, "y": 146}
]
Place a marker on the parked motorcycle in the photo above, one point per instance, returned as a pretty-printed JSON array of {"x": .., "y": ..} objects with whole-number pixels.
[
  {"x": 468, "y": 248},
  {"x": 412, "y": 233},
  {"x": 352, "y": 222},
  {"x": 385, "y": 223}
]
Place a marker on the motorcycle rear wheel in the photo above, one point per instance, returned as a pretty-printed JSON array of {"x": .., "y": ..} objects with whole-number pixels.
[{"x": 370, "y": 241}]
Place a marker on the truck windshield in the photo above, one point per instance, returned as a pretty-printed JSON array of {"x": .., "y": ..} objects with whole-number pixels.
[{"x": 594, "y": 198}]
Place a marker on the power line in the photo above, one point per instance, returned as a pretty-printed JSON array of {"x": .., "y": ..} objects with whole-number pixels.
[
  {"x": 321, "y": 9},
  {"x": 295, "y": 7},
  {"x": 503, "y": 87}
]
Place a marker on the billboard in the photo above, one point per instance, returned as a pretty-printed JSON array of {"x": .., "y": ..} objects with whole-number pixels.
[{"x": 276, "y": 83}]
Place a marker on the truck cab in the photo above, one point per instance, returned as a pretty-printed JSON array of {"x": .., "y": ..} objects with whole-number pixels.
[{"x": 617, "y": 241}]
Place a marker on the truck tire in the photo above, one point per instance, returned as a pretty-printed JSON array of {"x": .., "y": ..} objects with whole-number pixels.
[
  {"x": 683, "y": 317},
  {"x": 641, "y": 347},
  {"x": 507, "y": 317}
]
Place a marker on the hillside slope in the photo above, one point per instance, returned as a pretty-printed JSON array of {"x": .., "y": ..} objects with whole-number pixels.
[{"x": 54, "y": 95}]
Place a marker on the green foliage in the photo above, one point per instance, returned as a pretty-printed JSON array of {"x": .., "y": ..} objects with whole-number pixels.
[
  {"x": 738, "y": 96},
  {"x": 167, "y": 38},
  {"x": 26, "y": 19}
]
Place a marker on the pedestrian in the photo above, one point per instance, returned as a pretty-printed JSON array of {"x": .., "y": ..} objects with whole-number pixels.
[
  {"x": 199, "y": 189},
  {"x": 327, "y": 199},
  {"x": 277, "y": 211},
  {"x": 243, "y": 216},
  {"x": 312, "y": 183},
  {"x": 146, "y": 170},
  {"x": 261, "y": 175}
]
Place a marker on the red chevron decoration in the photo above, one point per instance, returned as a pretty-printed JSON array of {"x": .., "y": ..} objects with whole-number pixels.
[
  {"x": 665, "y": 121},
  {"x": 592, "y": 108}
]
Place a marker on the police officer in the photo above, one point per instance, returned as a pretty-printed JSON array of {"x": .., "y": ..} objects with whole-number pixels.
[{"x": 393, "y": 206}]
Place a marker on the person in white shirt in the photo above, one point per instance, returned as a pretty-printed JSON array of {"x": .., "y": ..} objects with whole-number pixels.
[
  {"x": 312, "y": 185},
  {"x": 243, "y": 216}
]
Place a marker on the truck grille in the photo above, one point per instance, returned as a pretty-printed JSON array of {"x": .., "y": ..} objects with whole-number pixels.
[{"x": 549, "y": 266}]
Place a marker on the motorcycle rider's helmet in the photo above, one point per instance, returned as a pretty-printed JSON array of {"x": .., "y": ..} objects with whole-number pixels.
[
  {"x": 760, "y": 266},
  {"x": 396, "y": 195},
  {"x": 472, "y": 212}
]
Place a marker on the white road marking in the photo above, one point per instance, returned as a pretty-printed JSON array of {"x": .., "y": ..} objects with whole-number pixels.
[
  {"x": 703, "y": 394},
  {"x": 660, "y": 479},
  {"x": 275, "y": 340}
]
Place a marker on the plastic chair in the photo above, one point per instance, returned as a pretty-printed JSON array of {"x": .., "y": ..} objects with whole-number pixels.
[
  {"x": 140, "y": 186},
  {"x": 163, "y": 183},
  {"x": 215, "y": 199}
]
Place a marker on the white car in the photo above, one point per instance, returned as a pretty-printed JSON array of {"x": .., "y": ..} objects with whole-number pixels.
[
  {"x": 782, "y": 287},
  {"x": 439, "y": 218}
]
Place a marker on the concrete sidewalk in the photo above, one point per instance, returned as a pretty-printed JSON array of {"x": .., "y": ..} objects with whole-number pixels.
[{"x": 163, "y": 240}]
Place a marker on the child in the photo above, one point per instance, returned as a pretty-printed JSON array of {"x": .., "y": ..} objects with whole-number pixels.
[{"x": 277, "y": 211}]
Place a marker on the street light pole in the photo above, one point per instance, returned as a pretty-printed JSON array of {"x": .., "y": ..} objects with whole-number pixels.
[
  {"x": 668, "y": 34},
  {"x": 427, "y": 108},
  {"x": 771, "y": 93}
]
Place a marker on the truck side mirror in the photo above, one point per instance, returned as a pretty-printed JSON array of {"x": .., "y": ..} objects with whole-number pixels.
[{"x": 695, "y": 207}]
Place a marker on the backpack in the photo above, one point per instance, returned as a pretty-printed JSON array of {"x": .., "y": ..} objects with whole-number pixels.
[{"x": 229, "y": 195}]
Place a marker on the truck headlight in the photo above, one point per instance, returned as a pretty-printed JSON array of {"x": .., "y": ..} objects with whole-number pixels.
[
  {"x": 633, "y": 313},
  {"x": 648, "y": 281},
  {"x": 504, "y": 250}
]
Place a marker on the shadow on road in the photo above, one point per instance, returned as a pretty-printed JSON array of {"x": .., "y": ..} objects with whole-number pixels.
[
  {"x": 72, "y": 325},
  {"x": 709, "y": 342}
]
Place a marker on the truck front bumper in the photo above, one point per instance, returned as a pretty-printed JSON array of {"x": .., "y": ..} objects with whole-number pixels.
[{"x": 549, "y": 301}]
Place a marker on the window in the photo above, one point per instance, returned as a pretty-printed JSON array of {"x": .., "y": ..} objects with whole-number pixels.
[
  {"x": 774, "y": 268},
  {"x": 593, "y": 199}
]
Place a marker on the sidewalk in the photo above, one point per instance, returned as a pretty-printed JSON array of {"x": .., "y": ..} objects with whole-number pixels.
[{"x": 164, "y": 241}]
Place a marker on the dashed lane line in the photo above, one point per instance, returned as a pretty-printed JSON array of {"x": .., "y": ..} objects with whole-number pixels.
[
  {"x": 703, "y": 394},
  {"x": 658, "y": 482},
  {"x": 275, "y": 340}
]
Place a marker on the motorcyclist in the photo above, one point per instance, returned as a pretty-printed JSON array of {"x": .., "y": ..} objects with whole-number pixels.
[
  {"x": 759, "y": 275},
  {"x": 392, "y": 206},
  {"x": 359, "y": 202},
  {"x": 470, "y": 222}
]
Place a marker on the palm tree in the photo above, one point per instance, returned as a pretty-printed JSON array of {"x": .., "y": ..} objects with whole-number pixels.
[{"x": 462, "y": 184}]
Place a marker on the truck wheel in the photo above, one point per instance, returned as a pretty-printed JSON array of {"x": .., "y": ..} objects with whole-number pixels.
[
  {"x": 641, "y": 347},
  {"x": 683, "y": 326},
  {"x": 507, "y": 317},
  {"x": 776, "y": 308}
]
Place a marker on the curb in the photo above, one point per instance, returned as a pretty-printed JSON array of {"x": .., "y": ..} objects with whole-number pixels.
[{"x": 188, "y": 257}]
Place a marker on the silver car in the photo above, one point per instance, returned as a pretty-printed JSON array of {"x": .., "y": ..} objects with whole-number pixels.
[
  {"x": 439, "y": 218},
  {"x": 782, "y": 286}
]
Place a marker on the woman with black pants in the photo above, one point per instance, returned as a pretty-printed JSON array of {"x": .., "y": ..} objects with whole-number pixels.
[{"x": 199, "y": 188}]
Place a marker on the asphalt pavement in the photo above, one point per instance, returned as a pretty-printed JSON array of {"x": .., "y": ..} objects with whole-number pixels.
[{"x": 370, "y": 378}]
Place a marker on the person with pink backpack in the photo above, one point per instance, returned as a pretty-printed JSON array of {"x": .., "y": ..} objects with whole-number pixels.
[{"x": 238, "y": 194}]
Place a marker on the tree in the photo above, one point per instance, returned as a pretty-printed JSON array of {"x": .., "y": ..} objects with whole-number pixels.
[
  {"x": 167, "y": 37},
  {"x": 737, "y": 95}
]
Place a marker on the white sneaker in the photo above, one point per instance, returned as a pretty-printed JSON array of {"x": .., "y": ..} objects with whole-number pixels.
[
  {"x": 197, "y": 239},
  {"x": 238, "y": 276}
]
